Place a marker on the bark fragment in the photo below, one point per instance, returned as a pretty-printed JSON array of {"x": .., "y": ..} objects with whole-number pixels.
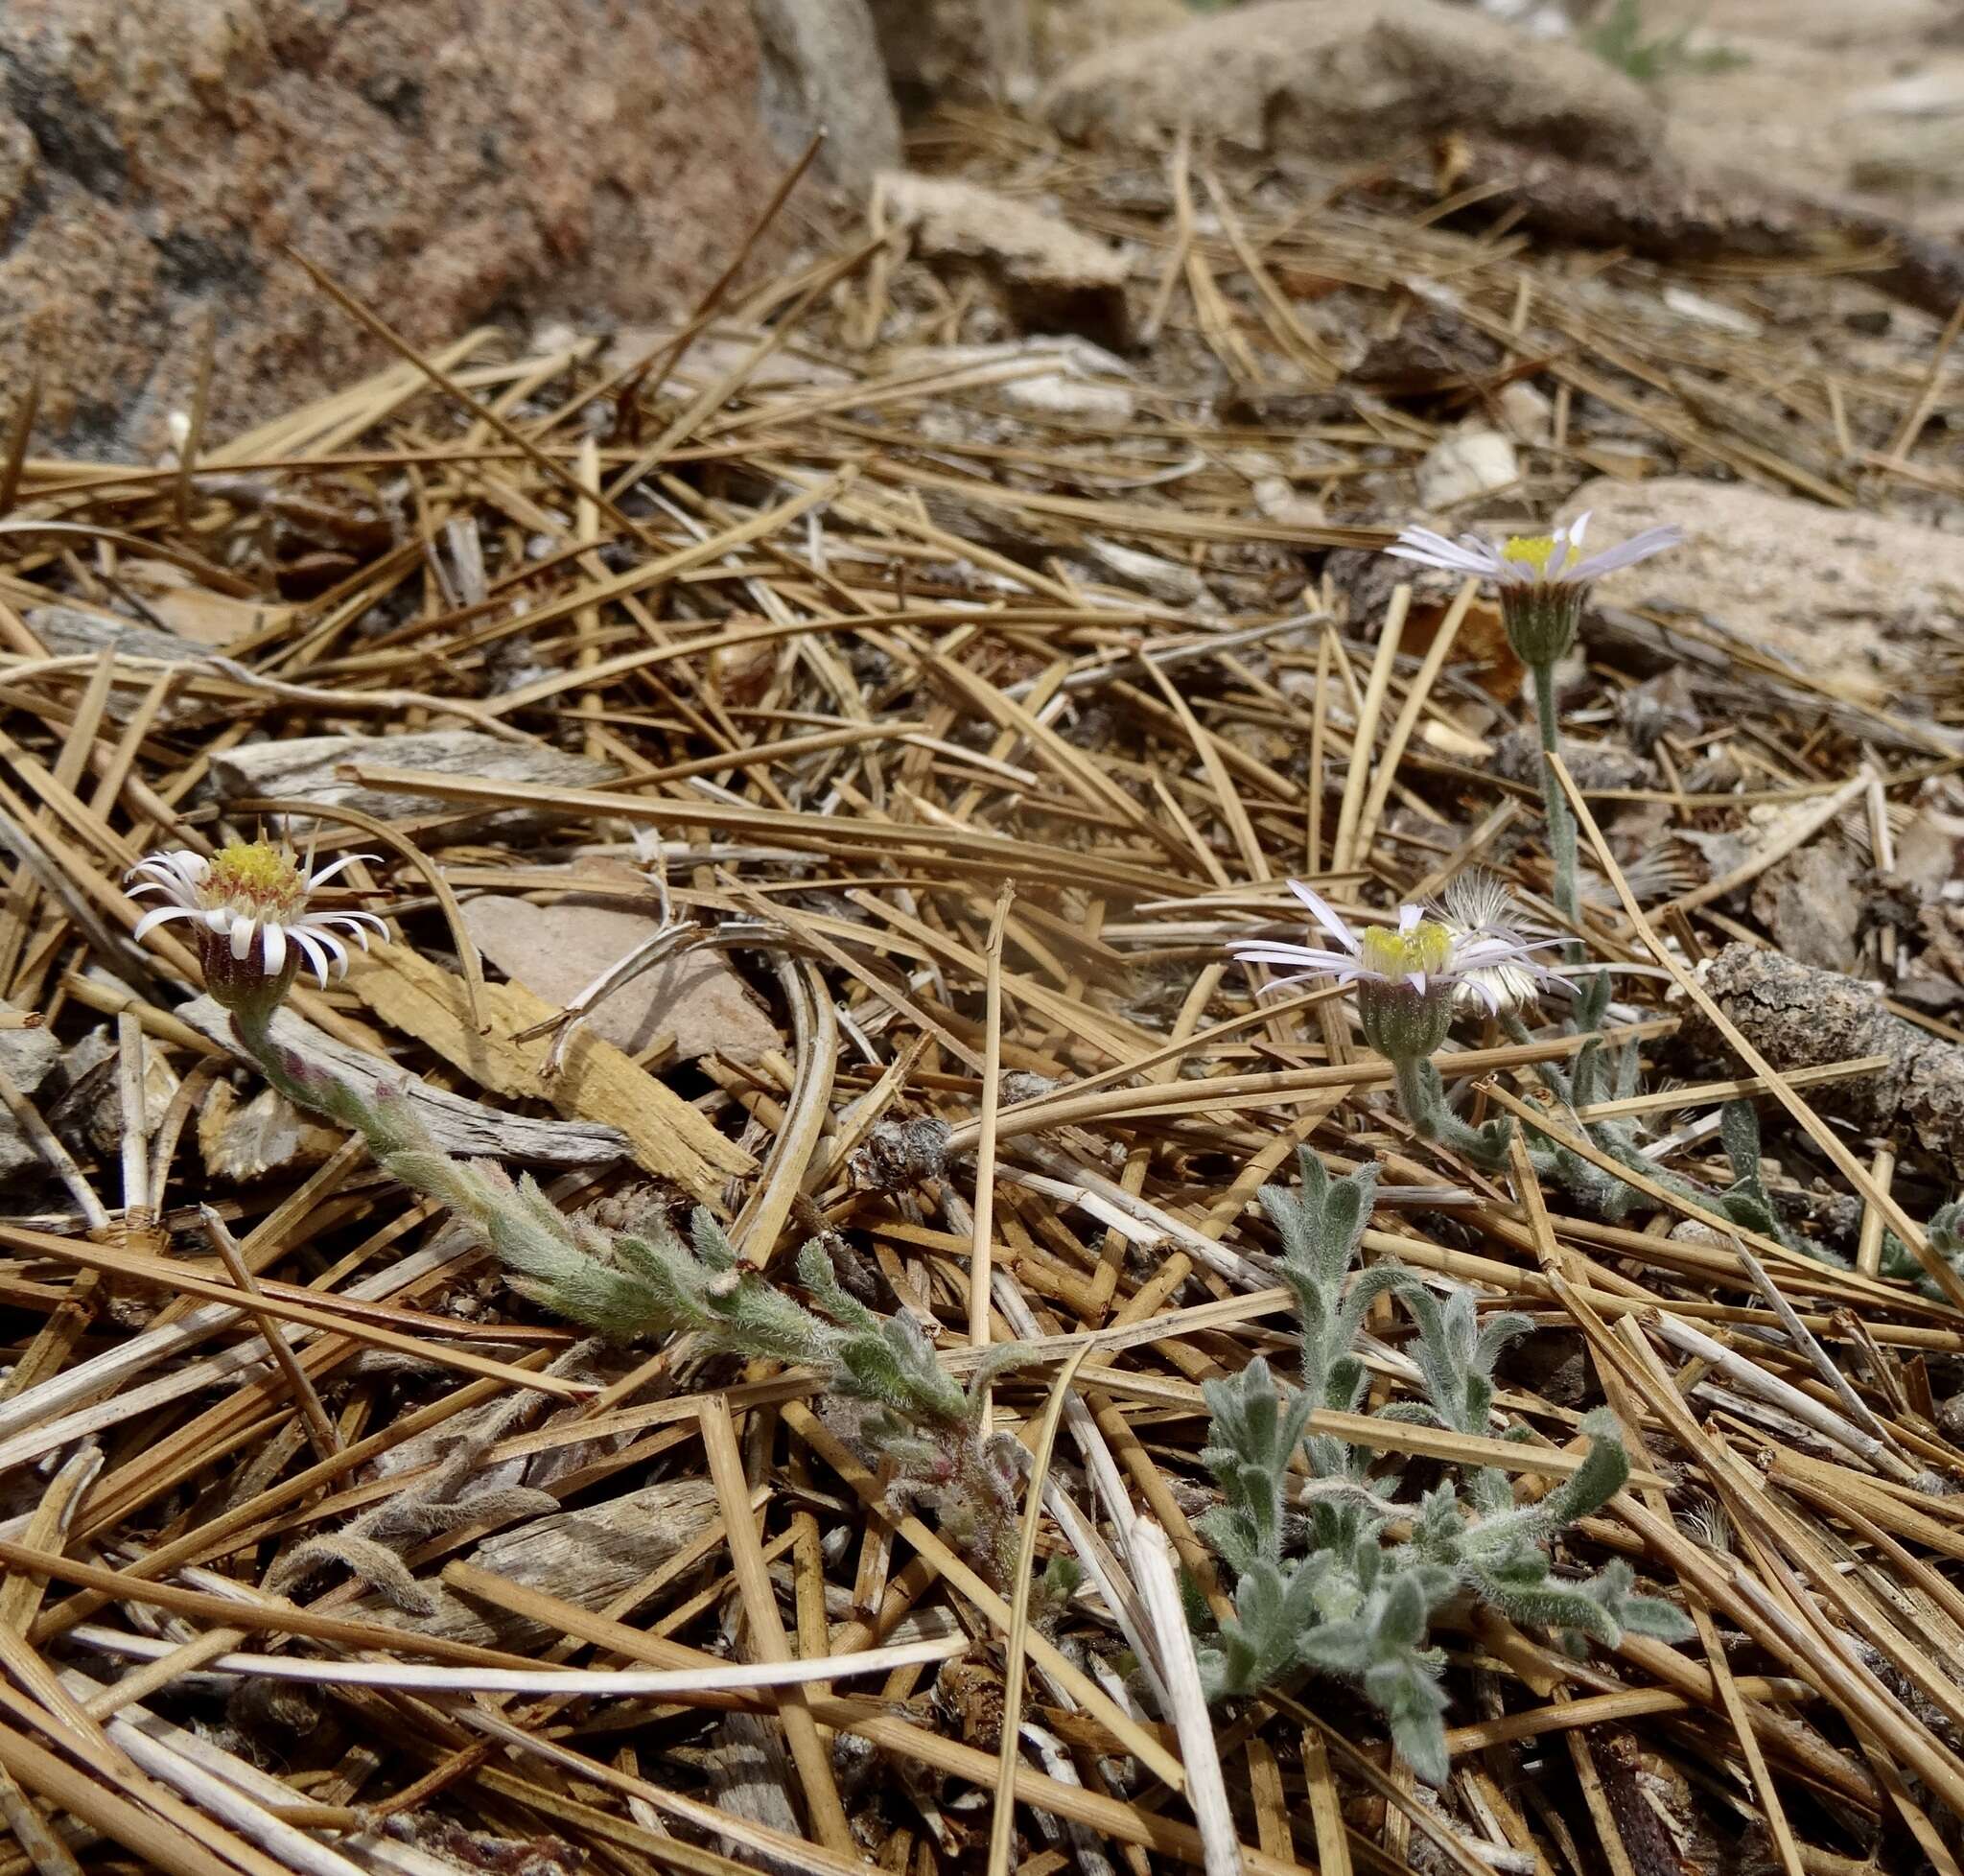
[{"x": 1798, "y": 1016}]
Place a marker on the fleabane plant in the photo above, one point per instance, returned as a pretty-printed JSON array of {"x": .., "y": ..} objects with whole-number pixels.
[
  {"x": 253, "y": 917},
  {"x": 1410, "y": 978},
  {"x": 1543, "y": 584},
  {"x": 252, "y": 912},
  {"x": 930, "y": 1432},
  {"x": 1320, "y": 1581},
  {"x": 1543, "y": 579}
]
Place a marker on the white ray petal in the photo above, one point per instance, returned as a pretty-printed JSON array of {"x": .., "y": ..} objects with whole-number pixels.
[
  {"x": 351, "y": 917},
  {"x": 163, "y": 914},
  {"x": 330, "y": 944},
  {"x": 310, "y": 948},
  {"x": 327, "y": 873},
  {"x": 1295, "y": 957}
]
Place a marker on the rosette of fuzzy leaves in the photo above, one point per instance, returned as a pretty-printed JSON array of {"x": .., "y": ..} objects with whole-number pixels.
[{"x": 1302, "y": 1525}]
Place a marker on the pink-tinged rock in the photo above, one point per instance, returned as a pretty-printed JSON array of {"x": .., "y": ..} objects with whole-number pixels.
[
  {"x": 557, "y": 950},
  {"x": 448, "y": 162}
]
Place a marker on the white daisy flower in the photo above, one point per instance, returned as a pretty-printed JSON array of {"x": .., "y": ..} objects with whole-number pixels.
[
  {"x": 1543, "y": 578},
  {"x": 1409, "y": 977},
  {"x": 248, "y": 904},
  {"x": 1531, "y": 559}
]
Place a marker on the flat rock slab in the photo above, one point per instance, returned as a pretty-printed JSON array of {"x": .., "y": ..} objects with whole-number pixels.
[
  {"x": 1353, "y": 81},
  {"x": 1824, "y": 592},
  {"x": 556, "y": 950},
  {"x": 305, "y": 769}
]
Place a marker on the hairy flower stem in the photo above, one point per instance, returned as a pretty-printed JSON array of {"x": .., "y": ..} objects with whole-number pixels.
[
  {"x": 1422, "y": 1099},
  {"x": 462, "y": 1186},
  {"x": 1561, "y": 820},
  {"x": 253, "y": 1029},
  {"x": 930, "y": 1436},
  {"x": 321, "y": 1092}
]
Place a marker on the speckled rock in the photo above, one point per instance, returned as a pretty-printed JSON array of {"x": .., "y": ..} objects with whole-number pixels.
[
  {"x": 1830, "y": 593},
  {"x": 822, "y": 68},
  {"x": 449, "y": 163},
  {"x": 1062, "y": 31},
  {"x": 974, "y": 49}
]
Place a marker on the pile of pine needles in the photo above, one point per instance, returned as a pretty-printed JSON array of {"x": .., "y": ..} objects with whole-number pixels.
[{"x": 966, "y": 692}]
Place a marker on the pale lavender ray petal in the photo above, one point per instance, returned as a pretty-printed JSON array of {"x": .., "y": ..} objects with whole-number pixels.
[
  {"x": 1320, "y": 910},
  {"x": 242, "y": 938},
  {"x": 1426, "y": 537},
  {"x": 1639, "y": 547},
  {"x": 1448, "y": 560},
  {"x": 1481, "y": 556}
]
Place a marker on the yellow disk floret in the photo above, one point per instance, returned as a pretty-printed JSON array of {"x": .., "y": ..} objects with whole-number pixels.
[
  {"x": 1534, "y": 550},
  {"x": 1422, "y": 951},
  {"x": 255, "y": 873}
]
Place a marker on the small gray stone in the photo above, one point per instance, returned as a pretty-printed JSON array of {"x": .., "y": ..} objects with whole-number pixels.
[
  {"x": 1467, "y": 462},
  {"x": 305, "y": 770},
  {"x": 28, "y": 1056}
]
